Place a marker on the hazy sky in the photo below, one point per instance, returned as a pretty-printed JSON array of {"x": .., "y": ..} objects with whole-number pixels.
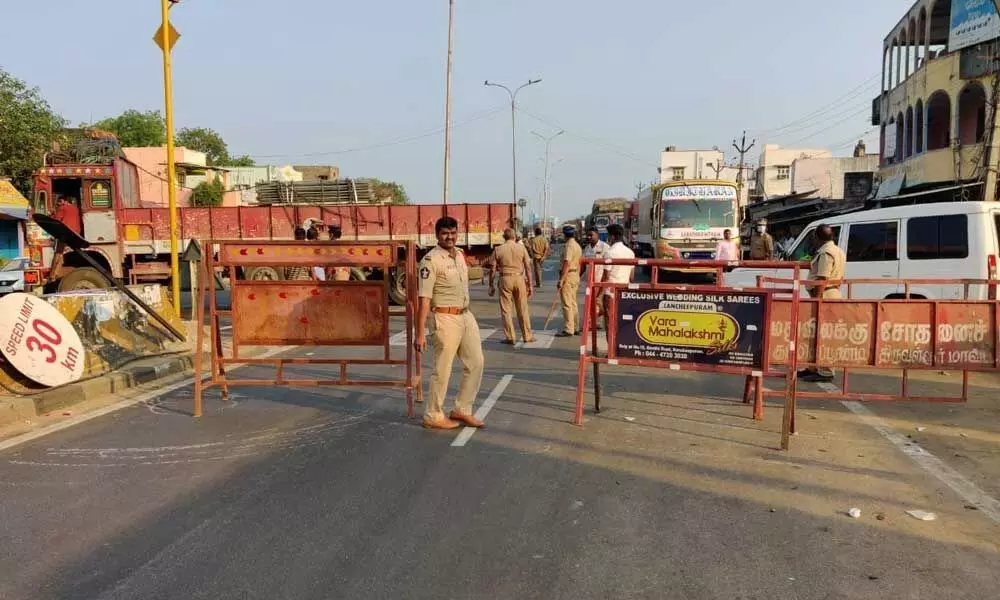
[{"x": 311, "y": 81}]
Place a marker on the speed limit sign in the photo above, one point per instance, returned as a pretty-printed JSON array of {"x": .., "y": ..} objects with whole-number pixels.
[{"x": 39, "y": 341}]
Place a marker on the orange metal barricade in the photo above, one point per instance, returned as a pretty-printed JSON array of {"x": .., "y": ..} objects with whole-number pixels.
[
  {"x": 729, "y": 323},
  {"x": 307, "y": 313},
  {"x": 898, "y": 334},
  {"x": 795, "y": 331}
]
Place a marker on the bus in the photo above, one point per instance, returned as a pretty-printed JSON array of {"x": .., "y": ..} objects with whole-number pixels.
[{"x": 685, "y": 219}]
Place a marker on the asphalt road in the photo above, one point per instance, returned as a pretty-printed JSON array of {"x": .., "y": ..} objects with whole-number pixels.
[{"x": 671, "y": 492}]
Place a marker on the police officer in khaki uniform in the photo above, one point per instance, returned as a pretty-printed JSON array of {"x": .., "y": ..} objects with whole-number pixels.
[
  {"x": 827, "y": 265},
  {"x": 444, "y": 291},
  {"x": 337, "y": 273},
  {"x": 761, "y": 243},
  {"x": 511, "y": 259},
  {"x": 539, "y": 252},
  {"x": 569, "y": 283}
]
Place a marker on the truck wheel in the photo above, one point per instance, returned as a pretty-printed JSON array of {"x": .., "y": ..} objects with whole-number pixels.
[
  {"x": 397, "y": 286},
  {"x": 264, "y": 274},
  {"x": 358, "y": 275},
  {"x": 83, "y": 278}
]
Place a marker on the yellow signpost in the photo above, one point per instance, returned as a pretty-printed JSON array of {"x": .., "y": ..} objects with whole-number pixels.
[{"x": 166, "y": 36}]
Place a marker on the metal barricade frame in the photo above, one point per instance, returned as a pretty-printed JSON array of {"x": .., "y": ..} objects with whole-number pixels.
[
  {"x": 924, "y": 339},
  {"x": 595, "y": 289},
  {"x": 366, "y": 304},
  {"x": 791, "y": 301}
]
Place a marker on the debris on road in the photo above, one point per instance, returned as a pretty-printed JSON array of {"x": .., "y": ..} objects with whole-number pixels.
[
  {"x": 922, "y": 515},
  {"x": 854, "y": 513},
  {"x": 880, "y": 517},
  {"x": 630, "y": 419},
  {"x": 921, "y": 429}
]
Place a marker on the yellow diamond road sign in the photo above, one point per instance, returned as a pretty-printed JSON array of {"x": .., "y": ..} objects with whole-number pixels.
[{"x": 172, "y": 34}]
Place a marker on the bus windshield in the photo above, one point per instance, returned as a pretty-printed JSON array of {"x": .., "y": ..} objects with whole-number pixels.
[{"x": 698, "y": 213}]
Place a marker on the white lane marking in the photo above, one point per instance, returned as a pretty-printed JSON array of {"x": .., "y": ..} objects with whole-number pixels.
[
  {"x": 100, "y": 412},
  {"x": 543, "y": 340},
  {"x": 967, "y": 490},
  {"x": 466, "y": 434}
]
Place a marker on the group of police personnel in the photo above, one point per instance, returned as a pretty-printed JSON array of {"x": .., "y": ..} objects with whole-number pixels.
[{"x": 444, "y": 296}]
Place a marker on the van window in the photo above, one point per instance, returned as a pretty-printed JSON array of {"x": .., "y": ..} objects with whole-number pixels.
[
  {"x": 945, "y": 236},
  {"x": 807, "y": 247},
  {"x": 873, "y": 242}
]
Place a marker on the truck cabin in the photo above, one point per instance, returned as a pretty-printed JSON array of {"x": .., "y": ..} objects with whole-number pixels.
[{"x": 90, "y": 187}]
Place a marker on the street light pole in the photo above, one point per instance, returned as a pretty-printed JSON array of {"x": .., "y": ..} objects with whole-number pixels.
[
  {"x": 546, "y": 204},
  {"x": 513, "y": 125},
  {"x": 168, "y": 95},
  {"x": 447, "y": 101}
]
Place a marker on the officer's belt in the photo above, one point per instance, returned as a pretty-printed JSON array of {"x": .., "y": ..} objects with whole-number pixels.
[
  {"x": 511, "y": 273},
  {"x": 450, "y": 310}
]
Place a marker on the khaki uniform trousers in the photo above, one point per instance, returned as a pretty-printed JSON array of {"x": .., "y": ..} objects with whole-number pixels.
[
  {"x": 455, "y": 334},
  {"x": 537, "y": 264},
  {"x": 514, "y": 295},
  {"x": 567, "y": 296}
]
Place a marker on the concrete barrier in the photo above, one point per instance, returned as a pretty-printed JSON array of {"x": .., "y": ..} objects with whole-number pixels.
[{"x": 113, "y": 329}]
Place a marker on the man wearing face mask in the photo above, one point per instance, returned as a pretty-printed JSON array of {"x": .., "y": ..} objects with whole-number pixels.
[{"x": 761, "y": 243}]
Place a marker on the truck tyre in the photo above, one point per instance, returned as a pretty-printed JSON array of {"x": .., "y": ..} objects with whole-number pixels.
[
  {"x": 83, "y": 278},
  {"x": 397, "y": 286},
  {"x": 358, "y": 275},
  {"x": 264, "y": 274}
]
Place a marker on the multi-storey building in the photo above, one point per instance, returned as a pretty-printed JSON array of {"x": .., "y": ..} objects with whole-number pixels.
[{"x": 939, "y": 80}]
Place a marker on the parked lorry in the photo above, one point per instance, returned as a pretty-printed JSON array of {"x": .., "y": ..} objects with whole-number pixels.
[
  {"x": 606, "y": 212},
  {"x": 132, "y": 240}
]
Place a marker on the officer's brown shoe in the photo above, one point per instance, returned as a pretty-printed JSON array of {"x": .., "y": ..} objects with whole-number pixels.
[
  {"x": 440, "y": 423},
  {"x": 530, "y": 341},
  {"x": 469, "y": 420}
]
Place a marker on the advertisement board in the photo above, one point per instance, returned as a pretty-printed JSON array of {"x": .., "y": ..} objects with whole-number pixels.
[
  {"x": 725, "y": 328},
  {"x": 972, "y": 22}
]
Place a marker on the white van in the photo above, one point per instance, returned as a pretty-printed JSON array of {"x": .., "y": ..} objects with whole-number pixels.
[{"x": 946, "y": 240}]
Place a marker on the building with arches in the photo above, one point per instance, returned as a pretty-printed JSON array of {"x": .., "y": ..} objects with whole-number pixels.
[{"x": 938, "y": 136}]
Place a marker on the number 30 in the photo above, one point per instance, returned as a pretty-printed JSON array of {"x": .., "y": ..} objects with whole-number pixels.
[{"x": 47, "y": 333}]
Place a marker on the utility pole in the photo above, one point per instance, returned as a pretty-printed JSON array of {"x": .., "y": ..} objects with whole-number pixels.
[
  {"x": 717, "y": 167},
  {"x": 742, "y": 149},
  {"x": 165, "y": 38},
  {"x": 447, "y": 102},
  {"x": 638, "y": 189}
]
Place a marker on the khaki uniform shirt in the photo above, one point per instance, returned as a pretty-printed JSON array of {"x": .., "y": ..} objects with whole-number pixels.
[
  {"x": 444, "y": 278},
  {"x": 539, "y": 247},
  {"x": 510, "y": 258},
  {"x": 828, "y": 263},
  {"x": 573, "y": 254},
  {"x": 762, "y": 247}
]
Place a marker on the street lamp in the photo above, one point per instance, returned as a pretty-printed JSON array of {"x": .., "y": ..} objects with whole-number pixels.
[
  {"x": 548, "y": 147},
  {"x": 513, "y": 128}
]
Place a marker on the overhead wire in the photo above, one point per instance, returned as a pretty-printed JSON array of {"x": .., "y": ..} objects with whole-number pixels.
[
  {"x": 393, "y": 142},
  {"x": 599, "y": 143},
  {"x": 818, "y": 113},
  {"x": 831, "y": 125}
]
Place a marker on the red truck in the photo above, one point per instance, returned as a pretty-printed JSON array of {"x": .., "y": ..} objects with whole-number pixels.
[{"x": 132, "y": 241}]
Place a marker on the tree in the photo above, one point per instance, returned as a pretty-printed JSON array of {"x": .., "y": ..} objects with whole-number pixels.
[
  {"x": 204, "y": 140},
  {"x": 394, "y": 192},
  {"x": 208, "y": 193},
  {"x": 134, "y": 128},
  {"x": 27, "y": 128},
  {"x": 211, "y": 143},
  {"x": 241, "y": 161}
]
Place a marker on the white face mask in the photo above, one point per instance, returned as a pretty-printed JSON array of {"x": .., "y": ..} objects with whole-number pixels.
[{"x": 761, "y": 229}]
